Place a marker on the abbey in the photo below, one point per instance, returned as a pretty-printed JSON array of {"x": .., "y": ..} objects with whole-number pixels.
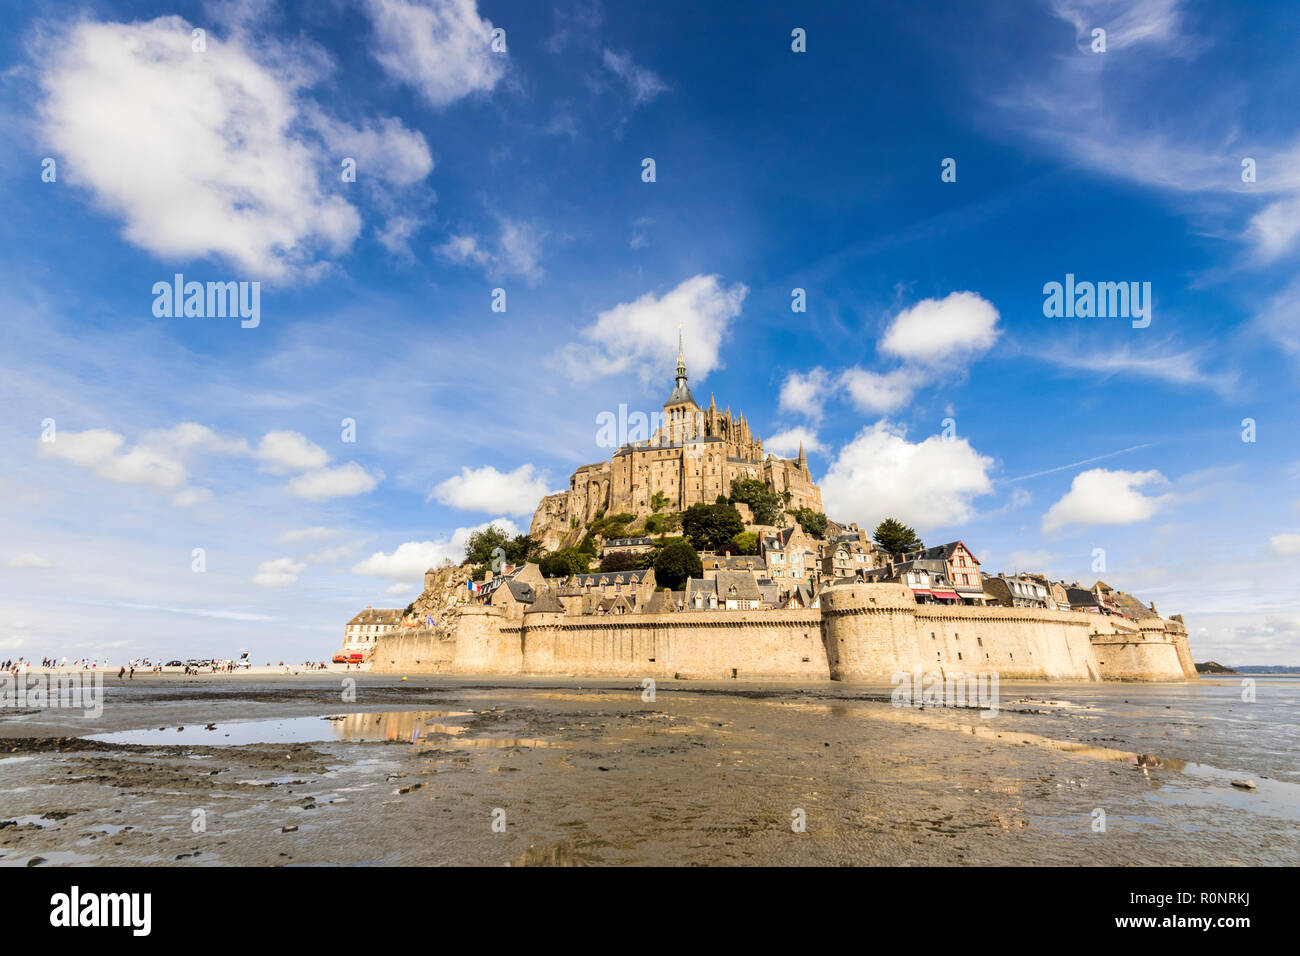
[{"x": 693, "y": 456}]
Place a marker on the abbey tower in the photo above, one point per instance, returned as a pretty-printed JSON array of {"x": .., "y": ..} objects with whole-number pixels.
[{"x": 694, "y": 456}]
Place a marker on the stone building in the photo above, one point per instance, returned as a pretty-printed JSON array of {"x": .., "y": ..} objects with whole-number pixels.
[
  {"x": 1016, "y": 590},
  {"x": 361, "y": 633},
  {"x": 692, "y": 457},
  {"x": 961, "y": 567},
  {"x": 790, "y": 555}
]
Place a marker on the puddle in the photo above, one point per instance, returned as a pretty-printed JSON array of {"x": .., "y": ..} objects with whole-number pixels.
[{"x": 393, "y": 725}]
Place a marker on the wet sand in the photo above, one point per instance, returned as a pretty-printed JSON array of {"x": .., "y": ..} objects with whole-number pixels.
[{"x": 571, "y": 772}]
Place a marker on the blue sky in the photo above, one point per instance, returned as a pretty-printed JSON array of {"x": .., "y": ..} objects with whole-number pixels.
[{"x": 924, "y": 377}]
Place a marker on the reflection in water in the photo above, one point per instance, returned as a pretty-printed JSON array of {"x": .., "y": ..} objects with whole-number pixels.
[{"x": 409, "y": 725}]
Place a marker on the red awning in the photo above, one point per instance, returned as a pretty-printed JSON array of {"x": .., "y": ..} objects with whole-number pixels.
[
  {"x": 946, "y": 595},
  {"x": 921, "y": 591}
]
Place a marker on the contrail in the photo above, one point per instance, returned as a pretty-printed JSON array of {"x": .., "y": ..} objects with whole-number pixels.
[{"x": 1074, "y": 464}]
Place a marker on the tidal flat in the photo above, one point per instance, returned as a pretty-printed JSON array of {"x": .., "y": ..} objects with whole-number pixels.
[{"x": 283, "y": 770}]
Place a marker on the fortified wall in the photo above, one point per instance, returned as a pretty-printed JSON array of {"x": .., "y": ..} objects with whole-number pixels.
[{"x": 861, "y": 632}]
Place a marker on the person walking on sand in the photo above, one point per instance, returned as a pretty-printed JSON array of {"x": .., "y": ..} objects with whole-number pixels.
[{"x": 121, "y": 673}]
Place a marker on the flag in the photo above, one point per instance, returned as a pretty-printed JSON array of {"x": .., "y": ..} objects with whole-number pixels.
[
  {"x": 429, "y": 618},
  {"x": 472, "y": 586}
]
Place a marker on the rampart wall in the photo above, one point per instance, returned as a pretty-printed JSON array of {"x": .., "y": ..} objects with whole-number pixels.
[{"x": 861, "y": 632}]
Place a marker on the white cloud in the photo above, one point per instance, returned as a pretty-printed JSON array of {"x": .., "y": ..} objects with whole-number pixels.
[
  {"x": 1285, "y": 544},
  {"x": 806, "y": 394},
  {"x": 879, "y": 474},
  {"x": 316, "y": 533},
  {"x": 384, "y": 149},
  {"x": 331, "y": 555},
  {"x": 518, "y": 252},
  {"x": 411, "y": 559},
  {"x": 279, "y": 573},
  {"x": 157, "y": 460},
  {"x": 189, "y": 497},
  {"x": 196, "y": 152},
  {"x": 1036, "y": 561},
  {"x": 486, "y": 489},
  {"x": 641, "y": 336},
  {"x": 643, "y": 84},
  {"x": 1102, "y": 497},
  {"x": 937, "y": 331},
  {"x": 440, "y": 48},
  {"x": 395, "y": 235},
  {"x": 786, "y": 443},
  {"x": 285, "y": 451},
  {"x": 877, "y": 393},
  {"x": 28, "y": 559},
  {"x": 338, "y": 482}
]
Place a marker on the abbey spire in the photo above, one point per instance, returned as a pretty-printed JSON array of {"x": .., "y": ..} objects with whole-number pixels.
[{"x": 681, "y": 393}]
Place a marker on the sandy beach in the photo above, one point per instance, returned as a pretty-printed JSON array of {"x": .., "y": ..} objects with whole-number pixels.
[{"x": 272, "y": 769}]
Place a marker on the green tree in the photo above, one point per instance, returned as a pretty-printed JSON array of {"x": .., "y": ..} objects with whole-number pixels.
[
  {"x": 894, "y": 536},
  {"x": 813, "y": 522},
  {"x": 520, "y": 549},
  {"x": 619, "y": 561},
  {"x": 588, "y": 544},
  {"x": 765, "y": 505},
  {"x": 560, "y": 564},
  {"x": 676, "y": 562},
  {"x": 746, "y": 542},
  {"x": 480, "y": 547},
  {"x": 710, "y": 527},
  {"x": 659, "y": 501},
  {"x": 657, "y": 524}
]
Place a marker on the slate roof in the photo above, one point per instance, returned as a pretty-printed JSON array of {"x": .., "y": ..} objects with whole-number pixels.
[
  {"x": 701, "y": 586},
  {"x": 603, "y": 578},
  {"x": 681, "y": 393},
  {"x": 547, "y": 602},
  {"x": 737, "y": 586},
  {"x": 372, "y": 615},
  {"x": 941, "y": 552}
]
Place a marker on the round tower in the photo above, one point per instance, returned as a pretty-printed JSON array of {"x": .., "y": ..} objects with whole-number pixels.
[{"x": 869, "y": 630}]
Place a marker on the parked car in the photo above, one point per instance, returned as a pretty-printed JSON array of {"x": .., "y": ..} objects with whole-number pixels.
[
  {"x": 174, "y": 664},
  {"x": 340, "y": 658}
]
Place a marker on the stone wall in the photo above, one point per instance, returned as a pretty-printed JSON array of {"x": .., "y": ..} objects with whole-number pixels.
[{"x": 861, "y": 632}]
